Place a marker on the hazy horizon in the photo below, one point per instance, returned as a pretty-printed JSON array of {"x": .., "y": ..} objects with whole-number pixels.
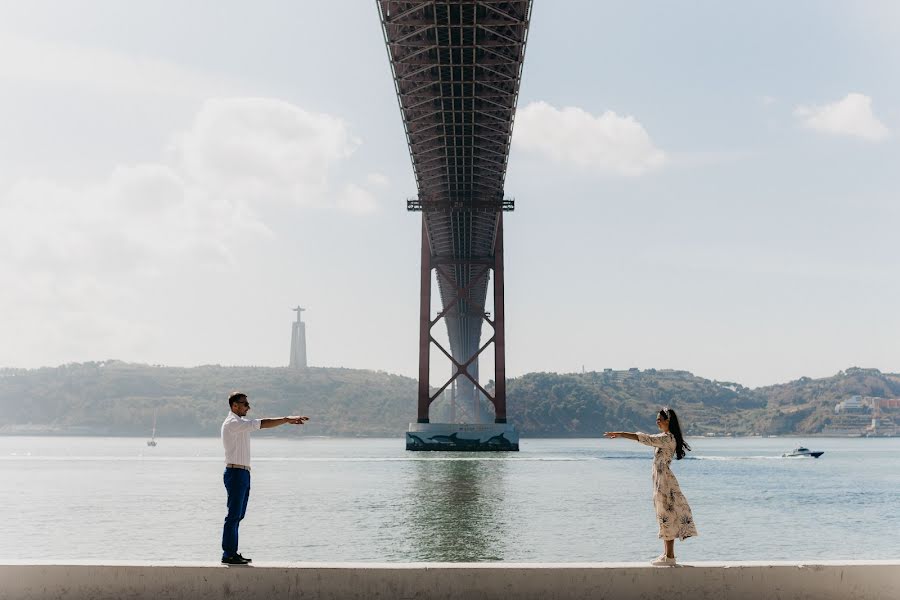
[{"x": 706, "y": 187}]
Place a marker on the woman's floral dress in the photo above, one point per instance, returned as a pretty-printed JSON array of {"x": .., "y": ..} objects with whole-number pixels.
[{"x": 672, "y": 509}]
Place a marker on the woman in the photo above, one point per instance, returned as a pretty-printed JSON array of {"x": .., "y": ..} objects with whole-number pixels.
[{"x": 672, "y": 509}]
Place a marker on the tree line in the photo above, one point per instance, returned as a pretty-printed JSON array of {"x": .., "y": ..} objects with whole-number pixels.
[{"x": 118, "y": 398}]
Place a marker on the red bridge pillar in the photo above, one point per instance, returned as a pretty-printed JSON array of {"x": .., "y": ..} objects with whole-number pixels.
[
  {"x": 499, "y": 328},
  {"x": 425, "y": 328},
  {"x": 463, "y": 367}
]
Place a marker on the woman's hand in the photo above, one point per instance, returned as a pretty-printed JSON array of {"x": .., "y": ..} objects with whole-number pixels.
[{"x": 621, "y": 434}]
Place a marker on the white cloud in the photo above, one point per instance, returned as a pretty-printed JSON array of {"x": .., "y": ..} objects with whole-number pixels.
[
  {"x": 377, "y": 180},
  {"x": 851, "y": 116},
  {"x": 237, "y": 154},
  {"x": 39, "y": 61},
  {"x": 136, "y": 221},
  {"x": 608, "y": 142},
  {"x": 356, "y": 200},
  {"x": 265, "y": 149},
  {"x": 75, "y": 260}
]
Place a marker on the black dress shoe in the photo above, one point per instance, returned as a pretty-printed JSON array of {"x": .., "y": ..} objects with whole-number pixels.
[
  {"x": 244, "y": 558},
  {"x": 237, "y": 559}
]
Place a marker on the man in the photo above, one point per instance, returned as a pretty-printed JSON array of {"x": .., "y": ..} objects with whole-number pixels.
[{"x": 236, "y": 439}]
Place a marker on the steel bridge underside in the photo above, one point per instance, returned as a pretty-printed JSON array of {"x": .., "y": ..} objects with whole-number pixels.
[{"x": 457, "y": 68}]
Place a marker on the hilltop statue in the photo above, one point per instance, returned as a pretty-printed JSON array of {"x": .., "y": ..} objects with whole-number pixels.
[{"x": 298, "y": 340}]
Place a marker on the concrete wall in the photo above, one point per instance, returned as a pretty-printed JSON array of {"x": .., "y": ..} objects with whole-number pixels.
[{"x": 845, "y": 580}]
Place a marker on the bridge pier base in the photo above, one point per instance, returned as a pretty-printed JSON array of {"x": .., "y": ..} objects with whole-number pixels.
[{"x": 462, "y": 437}]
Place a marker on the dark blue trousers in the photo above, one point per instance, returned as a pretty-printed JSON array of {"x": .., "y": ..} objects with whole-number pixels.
[{"x": 237, "y": 483}]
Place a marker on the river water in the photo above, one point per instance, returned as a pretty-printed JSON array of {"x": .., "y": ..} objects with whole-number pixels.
[{"x": 332, "y": 499}]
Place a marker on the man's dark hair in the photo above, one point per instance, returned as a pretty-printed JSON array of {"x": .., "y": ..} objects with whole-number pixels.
[{"x": 236, "y": 397}]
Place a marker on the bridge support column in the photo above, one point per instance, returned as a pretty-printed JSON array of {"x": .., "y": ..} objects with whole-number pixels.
[
  {"x": 424, "y": 328},
  {"x": 497, "y": 436},
  {"x": 499, "y": 329}
]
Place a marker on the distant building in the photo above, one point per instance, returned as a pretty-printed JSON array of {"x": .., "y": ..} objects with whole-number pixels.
[
  {"x": 851, "y": 404},
  {"x": 298, "y": 341},
  {"x": 865, "y": 415}
]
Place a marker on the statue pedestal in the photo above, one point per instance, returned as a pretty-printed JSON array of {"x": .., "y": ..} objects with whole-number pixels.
[{"x": 462, "y": 437}]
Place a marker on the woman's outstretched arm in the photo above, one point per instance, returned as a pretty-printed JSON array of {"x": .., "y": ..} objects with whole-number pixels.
[{"x": 623, "y": 434}]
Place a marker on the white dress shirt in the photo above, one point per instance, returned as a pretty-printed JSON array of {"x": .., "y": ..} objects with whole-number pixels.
[{"x": 236, "y": 438}]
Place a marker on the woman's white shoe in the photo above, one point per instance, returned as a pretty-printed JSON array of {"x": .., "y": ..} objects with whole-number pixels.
[{"x": 663, "y": 561}]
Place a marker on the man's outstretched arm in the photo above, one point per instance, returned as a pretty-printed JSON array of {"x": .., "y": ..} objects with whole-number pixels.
[{"x": 276, "y": 421}]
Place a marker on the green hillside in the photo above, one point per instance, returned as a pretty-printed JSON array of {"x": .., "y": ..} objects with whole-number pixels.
[
  {"x": 121, "y": 398},
  {"x": 117, "y": 398}
]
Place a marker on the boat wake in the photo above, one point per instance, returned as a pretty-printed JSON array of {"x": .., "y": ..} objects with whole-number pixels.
[{"x": 730, "y": 458}]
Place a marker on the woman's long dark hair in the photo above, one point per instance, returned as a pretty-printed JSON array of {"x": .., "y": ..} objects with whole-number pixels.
[{"x": 681, "y": 446}]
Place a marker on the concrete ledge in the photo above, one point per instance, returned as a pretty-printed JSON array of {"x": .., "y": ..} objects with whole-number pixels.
[{"x": 815, "y": 580}]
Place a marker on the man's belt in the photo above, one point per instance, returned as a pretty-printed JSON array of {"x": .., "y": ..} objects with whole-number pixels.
[{"x": 234, "y": 466}]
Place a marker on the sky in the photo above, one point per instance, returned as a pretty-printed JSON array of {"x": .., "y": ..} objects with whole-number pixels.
[{"x": 699, "y": 185}]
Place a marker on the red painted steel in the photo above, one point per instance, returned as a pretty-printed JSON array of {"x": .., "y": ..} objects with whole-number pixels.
[
  {"x": 499, "y": 329},
  {"x": 424, "y": 327},
  {"x": 462, "y": 368},
  {"x": 457, "y": 66}
]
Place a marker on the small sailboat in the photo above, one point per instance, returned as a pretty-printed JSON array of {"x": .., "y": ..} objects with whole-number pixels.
[{"x": 152, "y": 441}]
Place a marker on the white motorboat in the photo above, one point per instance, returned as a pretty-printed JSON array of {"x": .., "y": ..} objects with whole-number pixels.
[{"x": 801, "y": 451}]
